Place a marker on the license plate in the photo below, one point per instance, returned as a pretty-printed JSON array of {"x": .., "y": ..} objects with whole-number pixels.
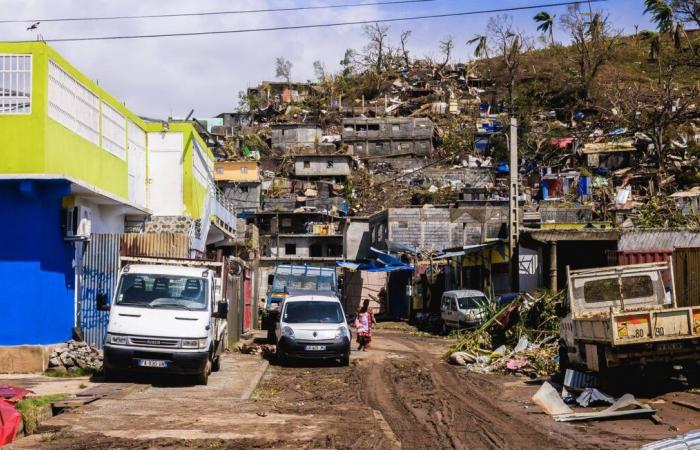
[
  {"x": 670, "y": 346},
  {"x": 151, "y": 363},
  {"x": 315, "y": 348}
]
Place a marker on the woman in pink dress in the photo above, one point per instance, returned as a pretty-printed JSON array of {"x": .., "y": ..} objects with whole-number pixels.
[{"x": 363, "y": 323}]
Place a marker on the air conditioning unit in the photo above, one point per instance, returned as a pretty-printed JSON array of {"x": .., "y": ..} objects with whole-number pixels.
[{"x": 78, "y": 222}]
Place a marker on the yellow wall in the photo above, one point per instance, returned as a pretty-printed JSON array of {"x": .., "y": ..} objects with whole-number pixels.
[{"x": 232, "y": 171}]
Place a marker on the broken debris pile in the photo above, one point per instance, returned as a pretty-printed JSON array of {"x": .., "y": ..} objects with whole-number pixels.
[
  {"x": 519, "y": 338},
  {"x": 75, "y": 356}
]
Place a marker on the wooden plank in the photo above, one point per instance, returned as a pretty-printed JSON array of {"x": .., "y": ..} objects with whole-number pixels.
[{"x": 693, "y": 406}]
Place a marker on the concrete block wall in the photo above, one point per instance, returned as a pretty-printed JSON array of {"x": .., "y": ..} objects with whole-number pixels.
[{"x": 169, "y": 224}]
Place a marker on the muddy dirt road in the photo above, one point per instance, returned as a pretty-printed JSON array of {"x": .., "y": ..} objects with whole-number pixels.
[{"x": 400, "y": 394}]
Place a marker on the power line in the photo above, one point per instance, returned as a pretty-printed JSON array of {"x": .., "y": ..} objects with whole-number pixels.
[
  {"x": 214, "y": 13},
  {"x": 322, "y": 25}
]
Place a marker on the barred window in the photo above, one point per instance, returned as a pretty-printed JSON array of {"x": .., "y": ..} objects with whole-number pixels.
[
  {"x": 15, "y": 84},
  {"x": 73, "y": 105}
]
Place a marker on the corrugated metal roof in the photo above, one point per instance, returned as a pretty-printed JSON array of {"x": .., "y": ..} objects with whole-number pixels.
[
  {"x": 658, "y": 239},
  {"x": 590, "y": 234}
]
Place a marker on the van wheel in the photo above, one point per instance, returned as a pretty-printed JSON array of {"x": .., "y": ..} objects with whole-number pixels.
[
  {"x": 216, "y": 365},
  {"x": 345, "y": 361},
  {"x": 109, "y": 375},
  {"x": 203, "y": 378}
]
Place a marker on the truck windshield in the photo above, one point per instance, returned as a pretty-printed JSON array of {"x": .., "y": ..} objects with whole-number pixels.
[
  {"x": 472, "y": 302},
  {"x": 313, "y": 312},
  {"x": 162, "y": 291}
]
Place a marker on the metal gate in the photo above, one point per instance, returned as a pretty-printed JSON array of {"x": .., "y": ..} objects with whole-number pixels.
[{"x": 98, "y": 273}]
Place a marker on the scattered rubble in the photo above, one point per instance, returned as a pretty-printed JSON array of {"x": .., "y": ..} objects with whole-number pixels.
[{"x": 75, "y": 356}]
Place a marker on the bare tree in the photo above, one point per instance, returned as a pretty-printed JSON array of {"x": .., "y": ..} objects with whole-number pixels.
[
  {"x": 320, "y": 70},
  {"x": 378, "y": 47},
  {"x": 593, "y": 42},
  {"x": 283, "y": 69},
  {"x": 446, "y": 47},
  {"x": 687, "y": 10},
  {"x": 404, "y": 52},
  {"x": 509, "y": 43},
  {"x": 654, "y": 107}
]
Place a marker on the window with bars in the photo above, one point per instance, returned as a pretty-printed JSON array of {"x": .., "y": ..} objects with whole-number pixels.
[
  {"x": 73, "y": 105},
  {"x": 15, "y": 84}
]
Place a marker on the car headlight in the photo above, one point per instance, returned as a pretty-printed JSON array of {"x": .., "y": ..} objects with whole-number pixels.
[
  {"x": 341, "y": 332},
  {"x": 117, "y": 340},
  {"x": 288, "y": 332},
  {"x": 194, "y": 343}
]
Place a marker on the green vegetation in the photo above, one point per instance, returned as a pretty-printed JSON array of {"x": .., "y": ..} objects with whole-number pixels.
[
  {"x": 33, "y": 408},
  {"x": 86, "y": 372}
]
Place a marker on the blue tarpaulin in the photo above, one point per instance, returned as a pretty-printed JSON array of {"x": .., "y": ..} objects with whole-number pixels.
[{"x": 378, "y": 262}]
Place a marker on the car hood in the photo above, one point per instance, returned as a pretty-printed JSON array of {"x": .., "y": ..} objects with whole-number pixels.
[
  {"x": 159, "y": 322},
  {"x": 315, "y": 331}
]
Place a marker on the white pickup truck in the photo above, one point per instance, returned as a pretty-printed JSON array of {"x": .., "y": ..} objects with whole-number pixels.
[
  {"x": 625, "y": 318},
  {"x": 167, "y": 316}
]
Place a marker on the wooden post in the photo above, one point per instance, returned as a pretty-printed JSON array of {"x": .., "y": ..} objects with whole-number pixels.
[{"x": 553, "y": 266}]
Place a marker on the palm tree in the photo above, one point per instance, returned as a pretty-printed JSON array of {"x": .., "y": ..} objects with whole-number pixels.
[
  {"x": 661, "y": 13},
  {"x": 546, "y": 24},
  {"x": 481, "y": 49}
]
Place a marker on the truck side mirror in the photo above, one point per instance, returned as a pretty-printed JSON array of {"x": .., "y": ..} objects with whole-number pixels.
[
  {"x": 222, "y": 310},
  {"x": 102, "y": 304}
]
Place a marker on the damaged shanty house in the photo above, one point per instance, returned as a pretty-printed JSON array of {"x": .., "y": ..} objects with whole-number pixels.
[
  {"x": 240, "y": 182},
  {"x": 388, "y": 137},
  {"x": 454, "y": 247},
  {"x": 295, "y": 137}
]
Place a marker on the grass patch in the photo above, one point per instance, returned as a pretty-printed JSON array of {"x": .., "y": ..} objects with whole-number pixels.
[
  {"x": 33, "y": 408},
  {"x": 71, "y": 373},
  {"x": 266, "y": 391}
]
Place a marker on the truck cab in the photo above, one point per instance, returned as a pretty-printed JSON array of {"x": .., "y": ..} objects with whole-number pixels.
[{"x": 166, "y": 318}]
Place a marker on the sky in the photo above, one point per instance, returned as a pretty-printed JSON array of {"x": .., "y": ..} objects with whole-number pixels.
[{"x": 167, "y": 77}]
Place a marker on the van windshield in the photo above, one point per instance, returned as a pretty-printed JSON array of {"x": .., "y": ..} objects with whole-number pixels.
[
  {"x": 313, "y": 312},
  {"x": 472, "y": 302},
  {"x": 162, "y": 291}
]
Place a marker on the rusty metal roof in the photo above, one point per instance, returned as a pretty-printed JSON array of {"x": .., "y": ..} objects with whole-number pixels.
[
  {"x": 591, "y": 234},
  {"x": 658, "y": 239}
]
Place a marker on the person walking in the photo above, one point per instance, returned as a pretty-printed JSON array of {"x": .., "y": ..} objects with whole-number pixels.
[{"x": 363, "y": 323}]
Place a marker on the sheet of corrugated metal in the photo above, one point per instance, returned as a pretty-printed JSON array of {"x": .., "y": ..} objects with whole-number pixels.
[
  {"x": 100, "y": 267},
  {"x": 658, "y": 239},
  {"x": 162, "y": 245},
  {"x": 686, "y": 270},
  {"x": 629, "y": 257}
]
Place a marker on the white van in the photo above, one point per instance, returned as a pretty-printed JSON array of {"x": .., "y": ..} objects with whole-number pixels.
[
  {"x": 462, "y": 308},
  {"x": 313, "y": 326},
  {"x": 165, "y": 319}
]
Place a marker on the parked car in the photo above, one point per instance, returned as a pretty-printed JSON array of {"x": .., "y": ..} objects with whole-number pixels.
[
  {"x": 313, "y": 326},
  {"x": 166, "y": 317},
  {"x": 462, "y": 308}
]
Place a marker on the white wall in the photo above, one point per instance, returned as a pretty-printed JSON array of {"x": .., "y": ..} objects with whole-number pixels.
[
  {"x": 165, "y": 173},
  {"x": 137, "y": 164}
]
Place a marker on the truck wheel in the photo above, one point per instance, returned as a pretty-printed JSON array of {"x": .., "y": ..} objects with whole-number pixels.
[
  {"x": 345, "y": 361},
  {"x": 216, "y": 365},
  {"x": 563, "y": 358},
  {"x": 203, "y": 378}
]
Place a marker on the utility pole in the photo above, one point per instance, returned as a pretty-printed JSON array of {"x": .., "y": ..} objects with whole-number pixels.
[{"x": 513, "y": 194}]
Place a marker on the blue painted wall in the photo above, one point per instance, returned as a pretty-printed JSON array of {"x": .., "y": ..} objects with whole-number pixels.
[{"x": 36, "y": 274}]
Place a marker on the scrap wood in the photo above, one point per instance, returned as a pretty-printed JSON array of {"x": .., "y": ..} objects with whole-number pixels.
[{"x": 689, "y": 405}]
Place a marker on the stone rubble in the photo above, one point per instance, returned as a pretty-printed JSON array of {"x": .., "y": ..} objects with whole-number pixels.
[{"x": 74, "y": 356}]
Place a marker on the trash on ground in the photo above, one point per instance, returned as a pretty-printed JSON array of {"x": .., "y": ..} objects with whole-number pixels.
[
  {"x": 685, "y": 441},
  {"x": 618, "y": 409},
  {"x": 592, "y": 396},
  {"x": 549, "y": 400}
]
